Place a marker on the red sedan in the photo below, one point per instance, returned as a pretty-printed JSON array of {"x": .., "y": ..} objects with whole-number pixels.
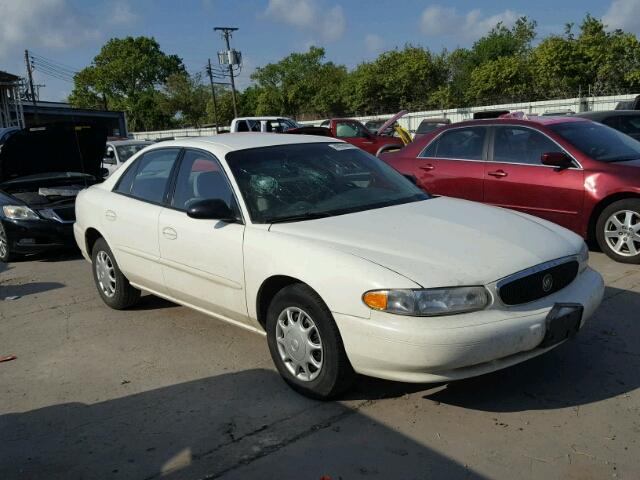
[{"x": 580, "y": 174}]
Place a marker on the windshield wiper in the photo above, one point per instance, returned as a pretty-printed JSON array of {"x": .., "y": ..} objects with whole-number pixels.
[{"x": 300, "y": 217}]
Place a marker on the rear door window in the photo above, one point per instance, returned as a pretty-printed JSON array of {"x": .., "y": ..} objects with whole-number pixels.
[
  {"x": 459, "y": 143},
  {"x": 148, "y": 178}
]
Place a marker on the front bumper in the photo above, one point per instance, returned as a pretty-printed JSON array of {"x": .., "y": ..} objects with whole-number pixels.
[
  {"x": 33, "y": 236},
  {"x": 434, "y": 349}
]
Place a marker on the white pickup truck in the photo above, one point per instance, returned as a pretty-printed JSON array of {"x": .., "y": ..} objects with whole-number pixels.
[{"x": 262, "y": 124}]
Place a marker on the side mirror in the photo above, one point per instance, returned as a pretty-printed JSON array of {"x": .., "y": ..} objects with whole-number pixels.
[
  {"x": 211, "y": 209},
  {"x": 556, "y": 159},
  {"x": 109, "y": 153}
]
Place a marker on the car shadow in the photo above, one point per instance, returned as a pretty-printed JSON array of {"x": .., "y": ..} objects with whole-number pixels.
[
  {"x": 601, "y": 362},
  {"x": 26, "y": 289},
  {"x": 214, "y": 426},
  {"x": 151, "y": 302}
]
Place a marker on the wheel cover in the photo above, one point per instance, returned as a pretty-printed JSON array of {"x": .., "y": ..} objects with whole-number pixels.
[
  {"x": 4, "y": 243},
  {"x": 622, "y": 233},
  {"x": 106, "y": 274},
  {"x": 299, "y": 344}
]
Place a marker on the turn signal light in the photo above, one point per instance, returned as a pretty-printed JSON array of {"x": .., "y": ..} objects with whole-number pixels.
[{"x": 376, "y": 300}]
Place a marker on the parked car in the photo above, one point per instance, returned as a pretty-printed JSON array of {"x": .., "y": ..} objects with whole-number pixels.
[
  {"x": 630, "y": 104},
  {"x": 262, "y": 124},
  {"x": 579, "y": 174},
  {"x": 429, "y": 125},
  {"x": 119, "y": 151},
  {"x": 626, "y": 121},
  {"x": 41, "y": 171},
  {"x": 354, "y": 132},
  {"x": 345, "y": 264}
]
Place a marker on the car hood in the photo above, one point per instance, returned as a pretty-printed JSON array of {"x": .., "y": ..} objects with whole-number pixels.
[
  {"x": 442, "y": 241},
  {"x": 60, "y": 147},
  {"x": 392, "y": 120}
]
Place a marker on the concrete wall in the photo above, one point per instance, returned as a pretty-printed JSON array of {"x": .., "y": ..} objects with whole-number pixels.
[{"x": 413, "y": 119}]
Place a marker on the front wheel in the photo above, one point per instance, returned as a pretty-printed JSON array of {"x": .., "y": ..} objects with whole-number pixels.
[
  {"x": 113, "y": 287},
  {"x": 305, "y": 343},
  {"x": 5, "y": 254},
  {"x": 618, "y": 231}
]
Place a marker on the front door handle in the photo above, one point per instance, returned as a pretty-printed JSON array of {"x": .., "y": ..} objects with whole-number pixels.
[
  {"x": 110, "y": 215},
  {"x": 427, "y": 167},
  {"x": 169, "y": 233},
  {"x": 498, "y": 173}
]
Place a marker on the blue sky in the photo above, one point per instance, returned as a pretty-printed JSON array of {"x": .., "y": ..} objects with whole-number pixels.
[{"x": 72, "y": 31}]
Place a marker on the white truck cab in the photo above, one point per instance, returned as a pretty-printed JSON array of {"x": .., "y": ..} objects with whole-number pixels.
[
  {"x": 119, "y": 151},
  {"x": 262, "y": 124}
]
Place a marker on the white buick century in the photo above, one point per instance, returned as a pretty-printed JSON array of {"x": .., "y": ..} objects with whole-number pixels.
[{"x": 345, "y": 264}]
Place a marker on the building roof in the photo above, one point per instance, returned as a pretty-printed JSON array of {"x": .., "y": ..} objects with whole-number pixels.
[{"x": 8, "y": 77}]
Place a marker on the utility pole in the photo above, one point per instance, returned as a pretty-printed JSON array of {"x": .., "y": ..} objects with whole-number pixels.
[
  {"x": 226, "y": 34},
  {"x": 33, "y": 93},
  {"x": 213, "y": 95}
]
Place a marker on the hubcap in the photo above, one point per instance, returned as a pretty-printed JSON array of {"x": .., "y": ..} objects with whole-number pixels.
[
  {"x": 106, "y": 274},
  {"x": 299, "y": 344},
  {"x": 622, "y": 233}
]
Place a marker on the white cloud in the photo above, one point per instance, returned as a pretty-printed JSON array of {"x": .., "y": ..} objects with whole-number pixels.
[
  {"x": 307, "y": 14},
  {"x": 437, "y": 20},
  {"x": 121, "y": 14},
  {"x": 373, "y": 43},
  {"x": 50, "y": 24},
  {"x": 623, "y": 14}
]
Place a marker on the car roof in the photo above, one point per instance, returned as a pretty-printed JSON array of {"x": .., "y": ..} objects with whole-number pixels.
[
  {"x": 129, "y": 142},
  {"x": 534, "y": 119},
  {"x": 608, "y": 113},
  {"x": 262, "y": 118},
  {"x": 229, "y": 142}
]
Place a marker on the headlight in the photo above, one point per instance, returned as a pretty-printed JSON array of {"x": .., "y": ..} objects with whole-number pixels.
[
  {"x": 428, "y": 302},
  {"x": 583, "y": 257},
  {"x": 19, "y": 212}
]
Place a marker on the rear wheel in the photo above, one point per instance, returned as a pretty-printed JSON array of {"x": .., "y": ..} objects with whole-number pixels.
[
  {"x": 618, "y": 230},
  {"x": 113, "y": 287},
  {"x": 305, "y": 343}
]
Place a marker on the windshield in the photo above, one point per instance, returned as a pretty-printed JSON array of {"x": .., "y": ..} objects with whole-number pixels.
[
  {"x": 311, "y": 180},
  {"x": 127, "y": 151},
  {"x": 598, "y": 141}
]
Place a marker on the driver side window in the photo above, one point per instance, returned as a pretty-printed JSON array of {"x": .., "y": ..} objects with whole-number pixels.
[{"x": 200, "y": 177}]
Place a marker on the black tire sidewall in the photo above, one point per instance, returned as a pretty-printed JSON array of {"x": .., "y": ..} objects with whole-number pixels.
[
  {"x": 626, "y": 204},
  {"x": 335, "y": 374},
  {"x": 8, "y": 256}
]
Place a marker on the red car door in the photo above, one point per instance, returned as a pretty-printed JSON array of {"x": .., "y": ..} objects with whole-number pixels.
[
  {"x": 453, "y": 163},
  {"x": 516, "y": 178},
  {"x": 356, "y": 134}
]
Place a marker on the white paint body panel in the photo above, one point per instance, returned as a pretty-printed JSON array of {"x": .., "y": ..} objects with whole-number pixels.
[{"x": 219, "y": 268}]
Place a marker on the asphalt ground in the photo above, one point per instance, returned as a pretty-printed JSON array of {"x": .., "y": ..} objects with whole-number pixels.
[{"x": 162, "y": 391}]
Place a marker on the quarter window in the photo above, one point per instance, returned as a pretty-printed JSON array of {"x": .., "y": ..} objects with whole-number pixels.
[
  {"x": 200, "y": 177},
  {"x": 513, "y": 144},
  {"x": 147, "y": 178},
  {"x": 458, "y": 143}
]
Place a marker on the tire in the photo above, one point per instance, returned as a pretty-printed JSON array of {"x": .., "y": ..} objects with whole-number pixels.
[
  {"x": 113, "y": 287},
  {"x": 6, "y": 255},
  {"x": 618, "y": 231},
  {"x": 306, "y": 308}
]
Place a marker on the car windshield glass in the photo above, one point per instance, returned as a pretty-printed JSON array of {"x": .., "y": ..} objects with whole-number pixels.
[
  {"x": 127, "y": 151},
  {"x": 598, "y": 141},
  {"x": 311, "y": 180},
  {"x": 428, "y": 127}
]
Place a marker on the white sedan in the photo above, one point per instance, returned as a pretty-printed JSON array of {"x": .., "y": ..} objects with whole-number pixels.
[{"x": 343, "y": 262}]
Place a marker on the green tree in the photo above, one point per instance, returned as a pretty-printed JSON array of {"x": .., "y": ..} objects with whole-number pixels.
[
  {"x": 127, "y": 74},
  {"x": 186, "y": 98}
]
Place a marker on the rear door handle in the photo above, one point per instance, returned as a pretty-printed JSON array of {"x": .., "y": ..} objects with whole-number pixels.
[
  {"x": 169, "y": 233},
  {"x": 110, "y": 215},
  {"x": 498, "y": 173},
  {"x": 427, "y": 167}
]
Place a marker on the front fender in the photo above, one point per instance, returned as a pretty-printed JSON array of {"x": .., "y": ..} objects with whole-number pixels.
[{"x": 338, "y": 277}]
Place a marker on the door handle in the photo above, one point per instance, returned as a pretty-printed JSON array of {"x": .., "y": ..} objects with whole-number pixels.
[
  {"x": 498, "y": 173},
  {"x": 169, "y": 233},
  {"x": 110, "y": 215},
  {"x": 427, "y": 167}
]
